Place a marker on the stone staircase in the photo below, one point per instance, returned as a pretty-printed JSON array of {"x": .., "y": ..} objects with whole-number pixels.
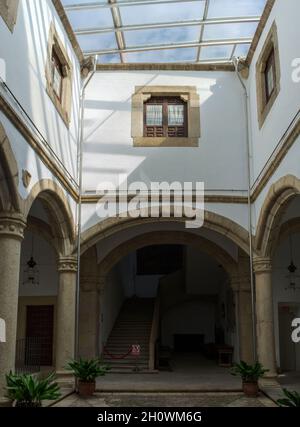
[{"x": 133, "y": 326}]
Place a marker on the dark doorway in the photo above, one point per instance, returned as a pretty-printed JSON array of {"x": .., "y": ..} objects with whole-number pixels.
[
  {"x": 188, "y": 342},
  {"x": 39, "y": 335}
]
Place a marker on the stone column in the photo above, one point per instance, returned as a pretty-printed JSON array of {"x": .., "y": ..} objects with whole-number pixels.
[
  {"x": 264, "y": 314},
  {"x": 101, "y": 283},
  {"x": 241, "y": 288},
  {"x": 66, "y": 312},
  {"x": 88, "y": 318},
  {"x": 11, "y": 235}
]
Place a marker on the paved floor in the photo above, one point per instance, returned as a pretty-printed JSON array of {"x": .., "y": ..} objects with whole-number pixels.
[
  {"x": 103, "y": 400},
  {"x": 190, "y": 372}
]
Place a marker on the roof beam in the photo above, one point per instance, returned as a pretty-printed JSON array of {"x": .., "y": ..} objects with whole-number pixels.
[
  {"x": 118, "y": 24},
  {"x": 171, "y": 46},
  {"x": 188, "y": 23},
  {"x": 205, "y": 14}
]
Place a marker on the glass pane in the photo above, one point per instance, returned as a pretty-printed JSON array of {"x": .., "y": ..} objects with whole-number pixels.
[
  {"x": 241, "y": 50},
  {"x": 154, "y": 115},
  {"x": 98, "y": 42},
  {"x": 166, "y": 55},
  {"x": 56, "y": 82},
  {"x": 215, "y": 52},
  {"x": 270, "y": 81},
  {"x": 162, "y": 12},
  {"x": 176, "y": 115},
  {"x": 230, "y": 8},
  {"x": 113, "y": 58},
  {"x": 162, "y": 36},
  {"x": 229, "y": 31},
  {"x": 90, "y": 18}
]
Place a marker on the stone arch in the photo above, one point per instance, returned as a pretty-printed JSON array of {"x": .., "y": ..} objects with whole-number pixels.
[
  {"x": 59, "y": 212},
  {"x": 9, "y": 176},
  {"x": 280, "y": 194},
  {"x": 168, "y": 237},
  {"x": 212, "y": 221}
]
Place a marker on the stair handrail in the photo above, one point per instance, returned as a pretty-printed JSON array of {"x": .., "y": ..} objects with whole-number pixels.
[{"x": 154, "y": 334}]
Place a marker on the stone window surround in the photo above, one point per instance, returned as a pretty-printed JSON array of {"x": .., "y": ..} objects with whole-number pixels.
[
  {"x": 64, "y": 106},
  {"x": 9, "y": 12},
  {"x": 264, "y": 106},
  {"x": 187, "y": 93}
]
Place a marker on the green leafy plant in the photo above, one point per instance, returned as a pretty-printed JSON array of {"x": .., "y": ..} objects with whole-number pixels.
[
  {"x": 87, "y": 370},
  {"x": 29, "y": 391},
  {"x": 248, "y": 373},
  {"x": 291, "y": 399}
]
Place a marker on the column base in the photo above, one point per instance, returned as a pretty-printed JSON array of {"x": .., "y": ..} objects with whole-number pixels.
[
  {"x": 65, "y": 379},
  {"x": 5, "y": 403}
]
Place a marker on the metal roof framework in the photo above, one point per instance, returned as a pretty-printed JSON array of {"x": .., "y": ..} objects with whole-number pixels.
[{"x": 120, "y": 48}]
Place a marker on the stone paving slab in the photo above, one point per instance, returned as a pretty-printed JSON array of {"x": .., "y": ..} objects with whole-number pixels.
[{"x": 103, "y": 400}]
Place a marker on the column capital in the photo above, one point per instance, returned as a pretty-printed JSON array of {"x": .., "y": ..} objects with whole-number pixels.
[
  {"x": 12, "y": 225},
  {"x": 67, "y": 264},
  {"x": 262, "y": 264}
]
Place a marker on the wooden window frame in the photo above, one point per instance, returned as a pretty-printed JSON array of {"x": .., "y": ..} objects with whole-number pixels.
[
  {"x": 188, "y": 94},
  {"x": 269, "y": 57},
  {"x": 165, "y": 102},
  {"x": 62, "y": 103}
]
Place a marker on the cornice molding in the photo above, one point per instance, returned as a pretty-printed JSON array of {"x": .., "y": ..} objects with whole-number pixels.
[{"x": 166, "y": 66}]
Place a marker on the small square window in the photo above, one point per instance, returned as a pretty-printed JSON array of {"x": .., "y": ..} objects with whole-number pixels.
[
  {"x": 165, "y": 117},
  {"x": 270, "y": 76},
  {"x": 267, "y": 76},
  {"x": 57, "y": 75},
  {"x": 59, "y": 71}
]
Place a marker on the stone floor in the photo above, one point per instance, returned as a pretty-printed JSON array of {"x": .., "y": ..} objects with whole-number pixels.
[
  {"x": 104, "y": 400},
  {"x": 190, "y": 372}
]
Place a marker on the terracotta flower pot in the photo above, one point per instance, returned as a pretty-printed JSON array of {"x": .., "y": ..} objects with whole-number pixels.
[
  {"x": 250, "y": 388},
  {"x": 86, "y": 388}
]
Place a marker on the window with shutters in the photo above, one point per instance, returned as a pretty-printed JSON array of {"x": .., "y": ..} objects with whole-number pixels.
[
  {"x": 267, "y": 76},
  {"x": 165, "y": 117},
  {"x": 59, "y": 76}
]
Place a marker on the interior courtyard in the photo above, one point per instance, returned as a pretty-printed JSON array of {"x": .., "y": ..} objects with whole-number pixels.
[{"x": 99, "y": 97}]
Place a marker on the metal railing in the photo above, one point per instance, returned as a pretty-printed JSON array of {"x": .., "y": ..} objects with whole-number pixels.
[{"x": 28, "y": 354}]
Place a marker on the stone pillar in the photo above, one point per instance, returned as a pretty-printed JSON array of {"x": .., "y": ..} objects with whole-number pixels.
[
  {"x": 264, "y": 314},
  {"x": 100, "y": 287},
  {"x": 66, "y": 312},
  {"x": 241, "y": 288},
  {"x": 11, "y": 235},
  {"x": 88, "y": 317}
]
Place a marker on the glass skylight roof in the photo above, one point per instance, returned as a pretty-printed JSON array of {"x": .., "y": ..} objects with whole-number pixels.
[{"x": 201, "y": 31}]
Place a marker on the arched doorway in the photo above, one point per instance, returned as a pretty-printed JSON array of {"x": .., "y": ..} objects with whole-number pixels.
[
  {"x": 117, "y": 253},
  {"x": 277, "y": 281}
]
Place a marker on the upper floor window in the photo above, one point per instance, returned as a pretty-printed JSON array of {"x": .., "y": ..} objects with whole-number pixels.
[
  {"x": 165, "y": 117},
  {"x": 59, "y": 73},
  {"x": 270, "y": 75},
  {"x": 267, "y": 75}
]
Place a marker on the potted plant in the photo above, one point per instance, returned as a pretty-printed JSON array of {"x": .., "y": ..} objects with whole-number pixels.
[
  {"x": 250, "y": 375},
  {"x": 28, "y": 391},
  {"x": 86, "y": 372},
  {"x": 291, "y": 399}
]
